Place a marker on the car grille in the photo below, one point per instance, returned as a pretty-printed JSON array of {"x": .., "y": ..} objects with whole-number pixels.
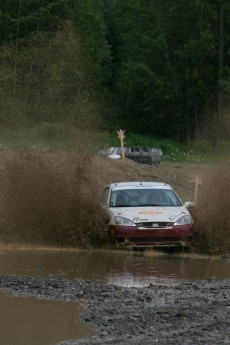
[
  {"x": 155, "y": 224},
  {"x": 154, "y": 239}
]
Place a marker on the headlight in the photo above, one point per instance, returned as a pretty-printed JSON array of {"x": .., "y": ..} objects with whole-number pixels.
[
  {"x": 184, "y": 220},
  {"x": 123, "y": 221}
]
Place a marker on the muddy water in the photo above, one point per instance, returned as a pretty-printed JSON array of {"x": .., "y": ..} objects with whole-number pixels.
[
  {"x": 110, "y": 266},
  {"x": 27, "y": 321}
]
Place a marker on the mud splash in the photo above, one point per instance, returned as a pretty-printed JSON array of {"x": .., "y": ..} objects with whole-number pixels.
[
  {"x": 50, "y": 200},
  {"x": 212, "y": 217},
  {"x": 53, "y": 198}
]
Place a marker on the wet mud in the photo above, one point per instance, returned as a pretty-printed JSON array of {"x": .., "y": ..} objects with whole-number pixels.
[{"x": 174, "y": 313}]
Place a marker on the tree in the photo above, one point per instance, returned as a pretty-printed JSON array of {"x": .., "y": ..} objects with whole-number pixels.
[{"x": 24, "y": 20}]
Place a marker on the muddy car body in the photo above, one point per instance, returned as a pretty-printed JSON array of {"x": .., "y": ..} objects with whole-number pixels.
[{"x": 144, "y": 214}]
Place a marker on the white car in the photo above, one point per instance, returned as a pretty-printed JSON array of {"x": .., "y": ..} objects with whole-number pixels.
[{"x": 147, "y": 214}]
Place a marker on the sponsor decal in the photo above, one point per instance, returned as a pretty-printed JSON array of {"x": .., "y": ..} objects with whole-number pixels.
[
  {"x": 137, "y": 219},
  {"x": 150, "y": 212}
]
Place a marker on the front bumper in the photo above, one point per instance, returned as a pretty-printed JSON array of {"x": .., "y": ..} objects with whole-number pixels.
[{"x": 180, "y": 235}]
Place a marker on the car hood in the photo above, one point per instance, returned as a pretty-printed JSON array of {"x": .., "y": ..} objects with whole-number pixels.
[{"x": 150, "y": 214}]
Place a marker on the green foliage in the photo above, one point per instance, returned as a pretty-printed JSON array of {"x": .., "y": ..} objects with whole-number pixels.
[
  {"x": 24, "y": 20},
  {"x": 137, "y": 64},
  {"x": 48, "y": 136},
  {"x": 47, "y": 82},
  {"x": 87, "y": 16},
  {"x": 63, "y": 136}
]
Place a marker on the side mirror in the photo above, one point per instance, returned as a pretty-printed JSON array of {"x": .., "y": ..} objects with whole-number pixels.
[{"x": 189, "y": 204}]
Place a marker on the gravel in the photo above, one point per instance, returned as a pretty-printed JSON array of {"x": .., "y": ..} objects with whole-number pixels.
[{"x": 185, "y": 313}]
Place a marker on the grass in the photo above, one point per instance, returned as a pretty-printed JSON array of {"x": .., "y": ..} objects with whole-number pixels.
[{"x": 65, "y": 137}]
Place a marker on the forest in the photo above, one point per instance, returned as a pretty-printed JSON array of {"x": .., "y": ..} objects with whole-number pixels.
[{"x": 157, "y": 67}]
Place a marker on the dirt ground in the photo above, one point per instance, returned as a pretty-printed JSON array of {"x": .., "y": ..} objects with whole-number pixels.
[{"x": 185, "y": 313}]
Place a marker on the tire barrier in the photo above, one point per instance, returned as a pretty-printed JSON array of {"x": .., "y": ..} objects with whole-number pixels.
[{"x": 142, "y": 155}]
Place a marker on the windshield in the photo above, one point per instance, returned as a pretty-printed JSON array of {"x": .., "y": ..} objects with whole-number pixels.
[{"x": 143, "y": 197}]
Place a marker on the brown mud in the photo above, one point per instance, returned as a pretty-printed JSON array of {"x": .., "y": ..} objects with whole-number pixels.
[
  {"x": 54, "y": 198},
  {"x": 185, "y": 313}
]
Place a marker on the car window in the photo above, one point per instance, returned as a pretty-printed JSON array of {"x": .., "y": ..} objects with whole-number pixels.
[
  {"x": 143, "y": 197},
  {"x": 172, "y": 198}
]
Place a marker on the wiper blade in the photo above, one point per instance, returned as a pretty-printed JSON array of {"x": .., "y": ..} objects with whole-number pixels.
[
  {"x": 121, "y": 206},
  {"x": 147, "y": 205}
]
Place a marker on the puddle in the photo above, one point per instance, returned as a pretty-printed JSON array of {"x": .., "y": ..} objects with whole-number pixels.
[
  {"x": 26, "y": 321},
  {"x": 104, "y": 266}
]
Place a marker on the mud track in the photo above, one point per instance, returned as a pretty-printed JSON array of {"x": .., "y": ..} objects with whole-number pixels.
[{"x": 183, "y": 313}]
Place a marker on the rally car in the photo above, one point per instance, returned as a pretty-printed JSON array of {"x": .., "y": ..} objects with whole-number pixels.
[{"x": 144, "y": 214}]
